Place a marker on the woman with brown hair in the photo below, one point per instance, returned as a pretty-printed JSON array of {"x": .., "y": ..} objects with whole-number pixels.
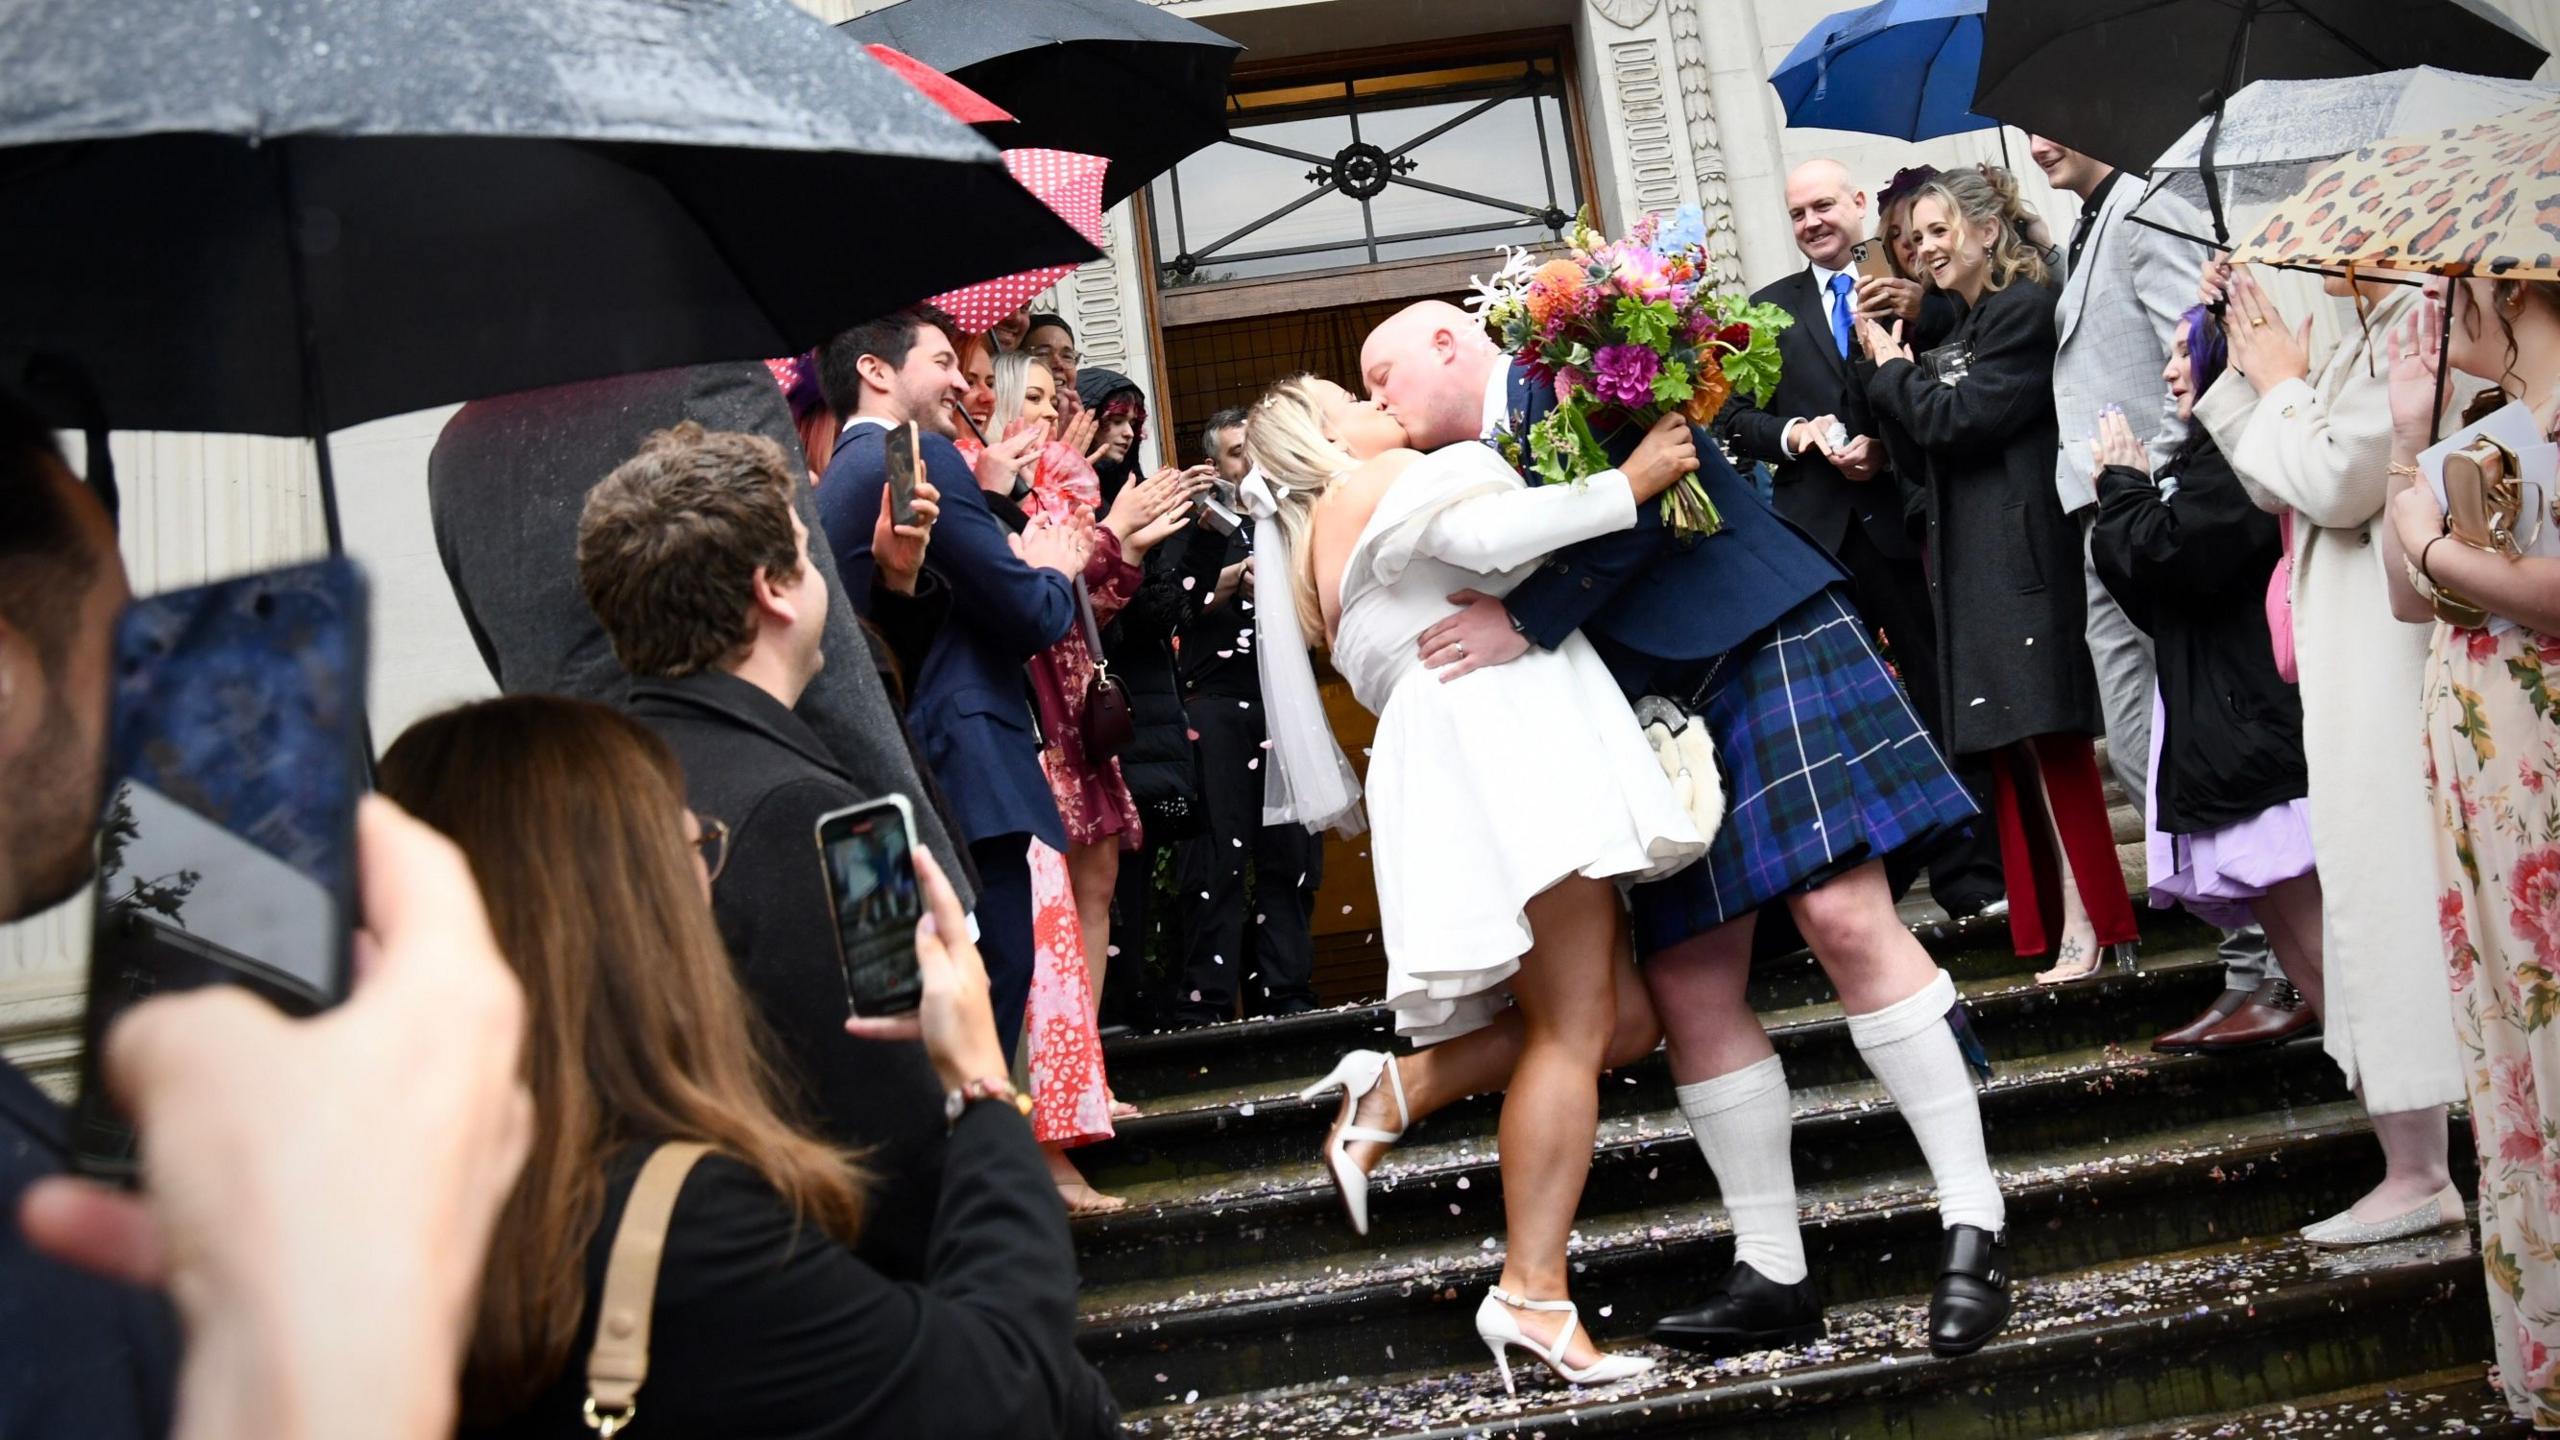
[
  {"x": 2004, "y": 561},
  {"x": 764, "y": 1322}
]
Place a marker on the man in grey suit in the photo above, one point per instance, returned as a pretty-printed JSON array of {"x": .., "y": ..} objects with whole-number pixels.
[
  {"x": 2125, "y": 286},
  {"x": 505, "y": 485}
]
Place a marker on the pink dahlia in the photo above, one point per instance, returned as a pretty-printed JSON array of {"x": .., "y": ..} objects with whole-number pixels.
[
  {"x": 2533, "y": 894},
  {"x": 1623, "y": 375}
]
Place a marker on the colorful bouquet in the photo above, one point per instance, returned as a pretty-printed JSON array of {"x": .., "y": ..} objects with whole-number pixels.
[{"x": 1627, "y": 331}]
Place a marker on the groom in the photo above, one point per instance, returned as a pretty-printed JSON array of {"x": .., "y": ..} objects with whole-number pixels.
[{"x": 1826, "y": 771}]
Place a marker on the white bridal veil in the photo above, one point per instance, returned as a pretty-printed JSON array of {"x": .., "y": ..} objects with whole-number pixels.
[{"x": 1307, "y": 781}]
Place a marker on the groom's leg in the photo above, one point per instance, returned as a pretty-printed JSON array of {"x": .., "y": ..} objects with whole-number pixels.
[
  {"x": 1898, "y": 1002},
  {"x": 1733, "y": 1092}
]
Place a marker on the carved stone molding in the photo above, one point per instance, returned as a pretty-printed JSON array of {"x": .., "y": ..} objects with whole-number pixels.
[
  {"x": 1706, "y": 140},
  {"x": 1102, "y": 336},
  {"x": 1645, "y": 119},
  {"x": 1626, "y": 14}
]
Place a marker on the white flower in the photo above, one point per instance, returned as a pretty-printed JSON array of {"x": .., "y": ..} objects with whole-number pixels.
[{"x": 1508, "y": 283}]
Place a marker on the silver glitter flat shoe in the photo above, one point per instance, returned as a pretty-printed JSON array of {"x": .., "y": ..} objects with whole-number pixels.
[{"x": 2344, "y": 1230}]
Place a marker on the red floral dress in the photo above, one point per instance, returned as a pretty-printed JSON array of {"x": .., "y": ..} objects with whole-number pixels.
[
  {"x": 1070, "y": 1099},
  {"x": 1093, "y": 799},
  {"x": 2492, "y": 706}
]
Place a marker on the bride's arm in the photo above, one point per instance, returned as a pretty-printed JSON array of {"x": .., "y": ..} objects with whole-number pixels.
[{"x": 1511, "y": 524}]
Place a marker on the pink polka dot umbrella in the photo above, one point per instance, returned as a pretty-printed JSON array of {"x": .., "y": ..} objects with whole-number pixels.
[{"x": 1066, "y": 182}]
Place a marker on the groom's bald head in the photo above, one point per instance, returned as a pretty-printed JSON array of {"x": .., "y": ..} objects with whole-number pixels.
[{"x": 1429, "y": 364}]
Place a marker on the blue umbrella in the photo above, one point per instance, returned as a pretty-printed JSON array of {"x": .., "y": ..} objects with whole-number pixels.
[{"x": 1904, "y": 68}]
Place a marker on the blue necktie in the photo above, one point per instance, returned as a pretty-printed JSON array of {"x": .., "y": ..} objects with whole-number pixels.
[{"x": 1840, "y": 313}]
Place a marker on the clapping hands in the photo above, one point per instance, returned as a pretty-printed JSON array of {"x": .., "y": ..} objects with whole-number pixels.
[
  {"x": 2419, "y": 387},
  {"x": 2263, "y": 348},
  {"x": 2116, "y": 444},
  {"x": 1883, "y": 344},
  {"x": 1049, "y": 544}
]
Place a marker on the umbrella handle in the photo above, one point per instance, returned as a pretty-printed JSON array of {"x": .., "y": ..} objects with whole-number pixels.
[{"x": 2213, "y": 182}]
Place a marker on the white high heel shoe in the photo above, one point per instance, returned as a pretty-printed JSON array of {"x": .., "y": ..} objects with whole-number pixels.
[
  {"x": 1355, "y": 1075},
  {"x": 1500, "y": 1330}
]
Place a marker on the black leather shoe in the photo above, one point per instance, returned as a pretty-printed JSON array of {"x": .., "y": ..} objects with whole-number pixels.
[
  {"x": 1748, "y": 1311},
  {"x": 1972, "y": 1299}
]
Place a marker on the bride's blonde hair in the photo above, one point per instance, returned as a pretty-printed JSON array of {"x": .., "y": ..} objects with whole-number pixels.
[{"x": 1284, "y": 438}]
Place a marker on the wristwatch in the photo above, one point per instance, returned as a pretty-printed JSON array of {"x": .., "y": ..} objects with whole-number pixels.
[{"x": 977, "y": 1090}]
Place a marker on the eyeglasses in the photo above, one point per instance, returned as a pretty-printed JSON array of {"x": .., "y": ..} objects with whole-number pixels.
[
  {"x": 712, "y": 844},
  {"x": 1054, "y": 354}
]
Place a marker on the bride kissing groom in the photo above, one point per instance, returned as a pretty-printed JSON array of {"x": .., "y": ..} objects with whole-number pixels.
[{"x": 1513, "y": 793}]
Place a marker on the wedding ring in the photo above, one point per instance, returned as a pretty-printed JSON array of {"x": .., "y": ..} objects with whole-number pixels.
[
  {"x": 1460, "y": 646},
  {"x": 2257, "y": 320}
]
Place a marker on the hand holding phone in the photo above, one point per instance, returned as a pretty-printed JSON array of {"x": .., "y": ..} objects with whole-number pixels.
[
  {"x": 868, "y": 855},
  {"x": 903, "y": 460},
  {"x": 956, "y": 1019},
  {"x": 227, "y": 834}
]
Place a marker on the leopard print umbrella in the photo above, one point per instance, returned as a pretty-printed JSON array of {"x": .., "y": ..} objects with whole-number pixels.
[{"x": 2477, "y": 201}]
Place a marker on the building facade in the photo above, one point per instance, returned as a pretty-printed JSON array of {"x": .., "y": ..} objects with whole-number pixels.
[{"x": 1379, "y": 151}]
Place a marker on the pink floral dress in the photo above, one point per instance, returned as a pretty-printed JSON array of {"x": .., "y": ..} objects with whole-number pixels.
[
  {"x": 2492, "y": 706},
  {"x": 1070, "y": 1101}
]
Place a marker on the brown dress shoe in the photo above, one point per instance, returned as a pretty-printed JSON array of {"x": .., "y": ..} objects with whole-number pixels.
[
  {"x": 2184, "y": 1038},
  {"x": 2275, "y": 1014}
]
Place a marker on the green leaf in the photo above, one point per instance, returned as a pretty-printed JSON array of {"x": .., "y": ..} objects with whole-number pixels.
[
  {"x": 1671, "y": 386},
  {"x": 1754, "y": 370},
  {"x": 1646, "y": 324}
]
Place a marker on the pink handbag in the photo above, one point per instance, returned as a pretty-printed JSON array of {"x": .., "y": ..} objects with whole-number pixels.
[{"x": 2280, "y": 606}]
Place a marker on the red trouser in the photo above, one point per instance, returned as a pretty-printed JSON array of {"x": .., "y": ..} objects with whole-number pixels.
[{"x": 2070, "y": 766}]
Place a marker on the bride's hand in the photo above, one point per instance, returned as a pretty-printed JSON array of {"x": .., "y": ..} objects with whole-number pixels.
[
  {"x": 1480, "y": 634},
  {"x": 1669, "y": 452}
]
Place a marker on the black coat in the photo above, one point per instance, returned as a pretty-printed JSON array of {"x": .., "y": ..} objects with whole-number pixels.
[
  {"x": 763, "y": 1326},
  {"x": 2004, "y": 561},
  {"x": 506, "y": 483},
  {"x": 1161, "y": 765},
  {"x": 751, "y": 763},
  {"x": 1815, "y": 381},
  {"x": 81, "y": 1357},
  {"x": 2191, "y": 570}
]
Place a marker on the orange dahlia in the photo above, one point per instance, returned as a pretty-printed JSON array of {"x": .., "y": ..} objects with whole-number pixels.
[{"x": 1558, "y": 286}]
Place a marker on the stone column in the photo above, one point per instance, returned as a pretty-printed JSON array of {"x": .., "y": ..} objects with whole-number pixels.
[{"x": 1655, "y": 140}]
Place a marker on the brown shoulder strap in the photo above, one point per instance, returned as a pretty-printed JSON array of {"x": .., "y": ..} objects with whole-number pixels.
[{"x": 620, "y": 1360}]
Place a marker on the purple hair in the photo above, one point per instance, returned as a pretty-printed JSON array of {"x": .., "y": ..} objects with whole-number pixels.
[{"x": 2205, "y": 350}]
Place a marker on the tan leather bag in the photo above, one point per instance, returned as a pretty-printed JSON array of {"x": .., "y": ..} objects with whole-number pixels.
[
  {"x": 2487, "y": 507},
  {"x": 619, "y": 1361}
]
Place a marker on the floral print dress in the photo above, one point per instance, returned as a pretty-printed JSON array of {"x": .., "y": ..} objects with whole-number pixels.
[
  {"x": 2492, "y": 707},
  {"x": 1070, "y": 1101}
]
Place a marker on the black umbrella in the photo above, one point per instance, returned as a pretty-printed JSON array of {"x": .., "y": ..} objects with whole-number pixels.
[
  {"x": 2123, "y": 79},
  {"x": 1116, "y": 78},
  {"x": 284, "y": 217}
]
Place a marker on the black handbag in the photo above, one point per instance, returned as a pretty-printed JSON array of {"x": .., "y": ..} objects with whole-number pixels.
[{"x": 1108, "y": 726}]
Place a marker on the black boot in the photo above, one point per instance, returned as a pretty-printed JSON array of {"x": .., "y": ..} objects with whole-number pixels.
[
  {"x": 1972, "y": 1299},
  {"x": 1747, "y": 1311}
]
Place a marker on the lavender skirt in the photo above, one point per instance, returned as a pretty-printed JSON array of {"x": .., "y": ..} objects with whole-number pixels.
[{"x": 2216, "y": 873}]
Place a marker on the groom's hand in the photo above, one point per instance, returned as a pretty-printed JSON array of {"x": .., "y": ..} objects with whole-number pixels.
[{"x": 1480, "y": 634}]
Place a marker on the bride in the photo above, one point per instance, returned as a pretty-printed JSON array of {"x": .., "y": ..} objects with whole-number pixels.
[{"x": 1508, "y": 805}]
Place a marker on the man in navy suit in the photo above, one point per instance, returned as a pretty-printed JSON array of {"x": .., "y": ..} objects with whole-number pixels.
[
  {"x": 1827, "y": 769},
  {"x": 1843, "y": 494},
  {"x": 970, "y": 704}
]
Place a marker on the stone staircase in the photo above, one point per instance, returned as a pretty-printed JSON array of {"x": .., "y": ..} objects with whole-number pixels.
[{"x": 2152, "y": 1202}]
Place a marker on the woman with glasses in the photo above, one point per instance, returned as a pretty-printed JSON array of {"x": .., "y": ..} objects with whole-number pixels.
[{"x": 764, "y": 1322}]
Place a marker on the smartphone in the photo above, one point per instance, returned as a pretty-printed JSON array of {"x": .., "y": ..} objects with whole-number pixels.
[
  {"x": 903, "y": 459},
  {"x": 226, "y": 849},
  {"x": 869, "y": 856},
  {"x": 1872, "y": 261}
]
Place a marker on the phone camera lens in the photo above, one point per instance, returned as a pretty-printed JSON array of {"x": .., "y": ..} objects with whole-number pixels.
[{"x": 264, "y": 607}]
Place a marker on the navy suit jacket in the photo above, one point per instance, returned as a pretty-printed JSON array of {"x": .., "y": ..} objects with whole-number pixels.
[
  {"x": 1647, "y": 593},
  {"x": 969, "y": 707}
]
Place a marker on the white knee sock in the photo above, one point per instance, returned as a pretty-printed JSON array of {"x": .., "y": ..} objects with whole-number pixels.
[
  {"x": 1742, "y": 1122},
  {"x": 1909, "y": 1047}
]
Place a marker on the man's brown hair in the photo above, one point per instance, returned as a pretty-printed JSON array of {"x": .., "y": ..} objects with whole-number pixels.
[{"x": 670, "y": 543}]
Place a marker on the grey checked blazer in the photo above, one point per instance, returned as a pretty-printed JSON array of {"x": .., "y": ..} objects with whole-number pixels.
[{"x": 2118, "y": 320}]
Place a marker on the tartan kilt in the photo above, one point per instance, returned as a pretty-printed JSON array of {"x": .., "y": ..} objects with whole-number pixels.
[{"x": 1826, "y": 767}]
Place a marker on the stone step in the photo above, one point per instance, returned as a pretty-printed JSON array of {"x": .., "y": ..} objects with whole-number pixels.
[
  {"x": 2121, "y": 1346},
  {"x": 2460, "y": 1401},
  {"x": 1407, "y": 1301},
  {"x": 1448, "y": 1183},
  {"x": 1237, "y": 1107},
  {"x": 1150, "y": 1067}
]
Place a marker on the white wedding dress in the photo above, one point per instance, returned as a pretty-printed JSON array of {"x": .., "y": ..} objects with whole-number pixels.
[{"x": 1487, "y": 790}]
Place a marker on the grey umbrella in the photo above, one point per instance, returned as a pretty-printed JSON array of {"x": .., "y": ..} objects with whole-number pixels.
[
  {"x": 288, "y": 216},
  {"x": 2276, "y": 132}
]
